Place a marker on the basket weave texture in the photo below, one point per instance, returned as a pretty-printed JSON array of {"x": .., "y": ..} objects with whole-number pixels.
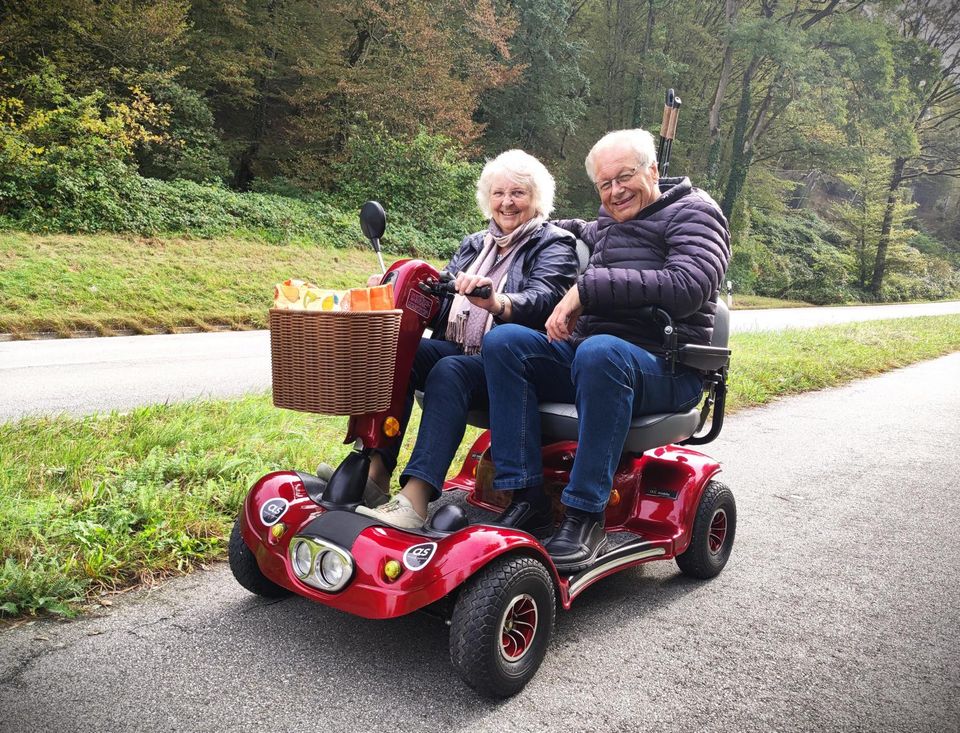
[{"x": 333, "y": 362}]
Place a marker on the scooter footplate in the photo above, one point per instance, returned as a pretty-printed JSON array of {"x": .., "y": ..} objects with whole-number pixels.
[{"x": 475, "y": 514}]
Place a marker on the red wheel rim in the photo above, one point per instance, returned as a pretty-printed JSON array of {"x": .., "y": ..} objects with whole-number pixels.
[
  {"x": 518, "y": 626},
  {"x": 718, "y": 531}
]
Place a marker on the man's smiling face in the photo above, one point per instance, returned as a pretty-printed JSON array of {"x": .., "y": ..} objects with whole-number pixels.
[{"x": 625, "y": 187}]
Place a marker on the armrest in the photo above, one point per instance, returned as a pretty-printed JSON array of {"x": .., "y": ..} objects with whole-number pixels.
[{"x": 704, "y": 358}]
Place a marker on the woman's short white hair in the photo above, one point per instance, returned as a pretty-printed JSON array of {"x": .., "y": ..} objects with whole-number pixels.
[
  {"x": 638, "y": 140},
  {"x": 523, "y": 169}
]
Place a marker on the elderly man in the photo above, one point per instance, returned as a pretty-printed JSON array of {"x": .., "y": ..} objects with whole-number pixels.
[{"x": 662, "y": 243}]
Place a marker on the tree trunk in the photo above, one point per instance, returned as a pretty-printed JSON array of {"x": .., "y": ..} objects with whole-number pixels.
[
  {"x": 742, "y": 154},
  {"x": 637, "y": 115},
  {"x": 713, "y": 157},
  {"x": 880, "y": 264}
]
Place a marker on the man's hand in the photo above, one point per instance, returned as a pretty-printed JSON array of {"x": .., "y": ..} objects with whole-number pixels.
[
  {"x": 563, "y": 320},
  {"x": 374, "y": 280},
  {"x": 468, "y": 283}
]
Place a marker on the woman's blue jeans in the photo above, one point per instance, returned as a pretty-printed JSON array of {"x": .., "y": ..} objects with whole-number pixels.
[
  {"x": 610, "y": 381},
  {"x": 452, "y": 385}
]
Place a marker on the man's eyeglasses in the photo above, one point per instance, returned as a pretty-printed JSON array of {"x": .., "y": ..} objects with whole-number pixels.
[{"x": 623, "y": 179}]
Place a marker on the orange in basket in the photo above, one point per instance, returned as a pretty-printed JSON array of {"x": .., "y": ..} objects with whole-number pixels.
[{"x": 379, "y": 298}]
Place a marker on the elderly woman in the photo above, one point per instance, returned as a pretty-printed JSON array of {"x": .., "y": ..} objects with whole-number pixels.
[{"x": 530, "y": 264}]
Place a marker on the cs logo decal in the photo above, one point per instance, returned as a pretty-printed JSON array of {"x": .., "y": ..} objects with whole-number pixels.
[
  {"x": 272, "y": 510},
  {"x": 417, "y": 557}
]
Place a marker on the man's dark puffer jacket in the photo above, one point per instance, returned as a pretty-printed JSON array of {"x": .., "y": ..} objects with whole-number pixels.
[
  {"x": 673, "y": 255},
  {"x": 538, "y": 277}
]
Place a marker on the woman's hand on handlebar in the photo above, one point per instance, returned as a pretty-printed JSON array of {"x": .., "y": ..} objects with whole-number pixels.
[{"x": 465, "y": 283}]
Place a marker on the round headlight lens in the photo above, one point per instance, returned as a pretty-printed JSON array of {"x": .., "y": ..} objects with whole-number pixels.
[
  {"x": 301, "y": 559},
  {"x": 331, "y": 568}
]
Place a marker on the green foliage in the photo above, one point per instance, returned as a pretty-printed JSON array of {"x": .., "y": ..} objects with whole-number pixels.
[
  {"x": 545, "y": 105},
  {"x": 423, "y": 181},
  {"x": 795, "y": 256},
  {"x": 66, "y": 163},
  {"x": 191, "y": 149}
]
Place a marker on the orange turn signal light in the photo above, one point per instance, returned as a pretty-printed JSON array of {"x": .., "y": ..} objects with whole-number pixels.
[
  {"x": 391, "y": 427},
  {"x": 614, "y": 497},
  {"x": 277, "y": 530}
]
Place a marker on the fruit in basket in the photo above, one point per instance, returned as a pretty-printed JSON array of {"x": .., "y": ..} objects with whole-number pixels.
[
  {"x": 315, "y": 299},
  {"x": 291, "y": 289}
]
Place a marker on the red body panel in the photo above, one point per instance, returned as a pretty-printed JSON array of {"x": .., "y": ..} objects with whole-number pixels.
[
  {"x": 657, "y": 494},
  {"x": 369, "y": 593}
]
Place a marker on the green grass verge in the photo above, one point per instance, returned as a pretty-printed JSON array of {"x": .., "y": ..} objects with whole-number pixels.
[
  {"x": 108, "y": 501},
  {"x": 64, "y": 283},
  {"x": 755, "y": 302}
]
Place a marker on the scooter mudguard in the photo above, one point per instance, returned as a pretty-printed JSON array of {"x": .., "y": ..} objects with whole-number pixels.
[{"x": 278, "y": 510}]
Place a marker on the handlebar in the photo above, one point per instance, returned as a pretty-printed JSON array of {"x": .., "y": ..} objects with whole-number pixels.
[{"x": 446, "y": 285}]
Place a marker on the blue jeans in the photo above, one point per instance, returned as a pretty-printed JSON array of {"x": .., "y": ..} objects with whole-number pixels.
[
  {"x": 453, "y": 385},
  {"x": 610, "y": 381},
  {"x": 429, "y": 353}
]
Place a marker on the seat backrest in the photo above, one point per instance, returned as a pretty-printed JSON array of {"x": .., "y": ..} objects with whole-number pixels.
[
  {"x": 583, "y": 255},
  {"x": 721, "y": 324}
]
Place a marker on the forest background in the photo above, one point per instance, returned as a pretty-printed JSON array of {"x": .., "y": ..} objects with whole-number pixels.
[{"x": 827, "y": 129}]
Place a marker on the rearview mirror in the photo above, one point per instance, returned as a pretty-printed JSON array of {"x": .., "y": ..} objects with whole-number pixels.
[{"x": 373, "y": 222}]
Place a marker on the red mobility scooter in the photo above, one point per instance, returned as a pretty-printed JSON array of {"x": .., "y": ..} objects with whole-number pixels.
[{"x": 496, "y": 586}]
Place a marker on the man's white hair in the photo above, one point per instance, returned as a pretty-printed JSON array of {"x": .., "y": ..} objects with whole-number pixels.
[
  {"x": 523, "y": 169},
  {"x": 638, "y": 140}
]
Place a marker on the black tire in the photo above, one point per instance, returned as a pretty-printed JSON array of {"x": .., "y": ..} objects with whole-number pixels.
[
  {"x": 243, "y": 563},
  {"x": 491, "y": 645},
  {"x": 714, "y": 529}
]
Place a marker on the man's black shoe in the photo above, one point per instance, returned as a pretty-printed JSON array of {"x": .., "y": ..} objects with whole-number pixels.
[
  {"x": 577, "y": 543},
  {"x": 522, "y": 515}
]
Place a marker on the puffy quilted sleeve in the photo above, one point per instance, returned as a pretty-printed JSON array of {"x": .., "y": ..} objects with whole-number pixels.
[{"x": 697, "y": 253}]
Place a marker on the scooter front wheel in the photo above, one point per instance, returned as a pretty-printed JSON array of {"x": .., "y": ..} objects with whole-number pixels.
[
  {"x": 502, "y": 624},
  {"x": 243, "y": 563}
]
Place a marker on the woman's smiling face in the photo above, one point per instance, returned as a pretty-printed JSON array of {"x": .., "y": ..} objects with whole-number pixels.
[{"x": 511, "y": 203}]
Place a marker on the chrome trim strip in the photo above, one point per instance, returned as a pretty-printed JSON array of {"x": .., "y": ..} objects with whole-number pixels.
[{"x": 614, "y": 563}]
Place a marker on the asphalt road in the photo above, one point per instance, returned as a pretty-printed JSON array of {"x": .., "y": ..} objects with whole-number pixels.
[
  {"x": 80, "y": 376},
  {"x": 839, "y": 610}
]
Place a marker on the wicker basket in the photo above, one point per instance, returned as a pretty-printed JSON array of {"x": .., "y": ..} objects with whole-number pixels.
[{"x": 332, "y": 362}]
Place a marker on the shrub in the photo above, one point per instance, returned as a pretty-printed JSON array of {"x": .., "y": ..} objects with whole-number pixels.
[
  {"x": 191, "y": 149},
  {"x": 423, "y": 182}
]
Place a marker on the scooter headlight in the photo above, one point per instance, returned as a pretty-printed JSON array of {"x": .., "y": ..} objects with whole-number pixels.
[
  {"x": 332, "y": 568},
  {"x": 302, "y": 559},
  {"x": 320, "y": 563}
]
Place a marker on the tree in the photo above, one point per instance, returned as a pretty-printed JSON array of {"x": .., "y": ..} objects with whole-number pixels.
[
  {"x": 542, "y": 108},
  {"x": 929, "y": 82}
]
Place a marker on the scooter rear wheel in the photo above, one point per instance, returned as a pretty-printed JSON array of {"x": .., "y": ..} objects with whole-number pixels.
[
  {"x": 714, "y": 528},
  {"x": 243, "y": 563},
  {"x": 501, "y": 625}
]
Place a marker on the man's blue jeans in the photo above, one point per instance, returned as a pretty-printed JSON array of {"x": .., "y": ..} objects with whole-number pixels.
[{"x": 610, "y": 381}]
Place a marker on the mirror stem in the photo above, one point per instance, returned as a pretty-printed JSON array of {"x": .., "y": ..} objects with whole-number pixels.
[{"x": 376, "y": 246}]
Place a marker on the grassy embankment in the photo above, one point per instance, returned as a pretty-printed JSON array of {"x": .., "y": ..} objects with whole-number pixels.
[
  {"x": 64, "y": 283},
  {"x": 104, "y": 284},
  {"x": 98, "y": 504}
]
